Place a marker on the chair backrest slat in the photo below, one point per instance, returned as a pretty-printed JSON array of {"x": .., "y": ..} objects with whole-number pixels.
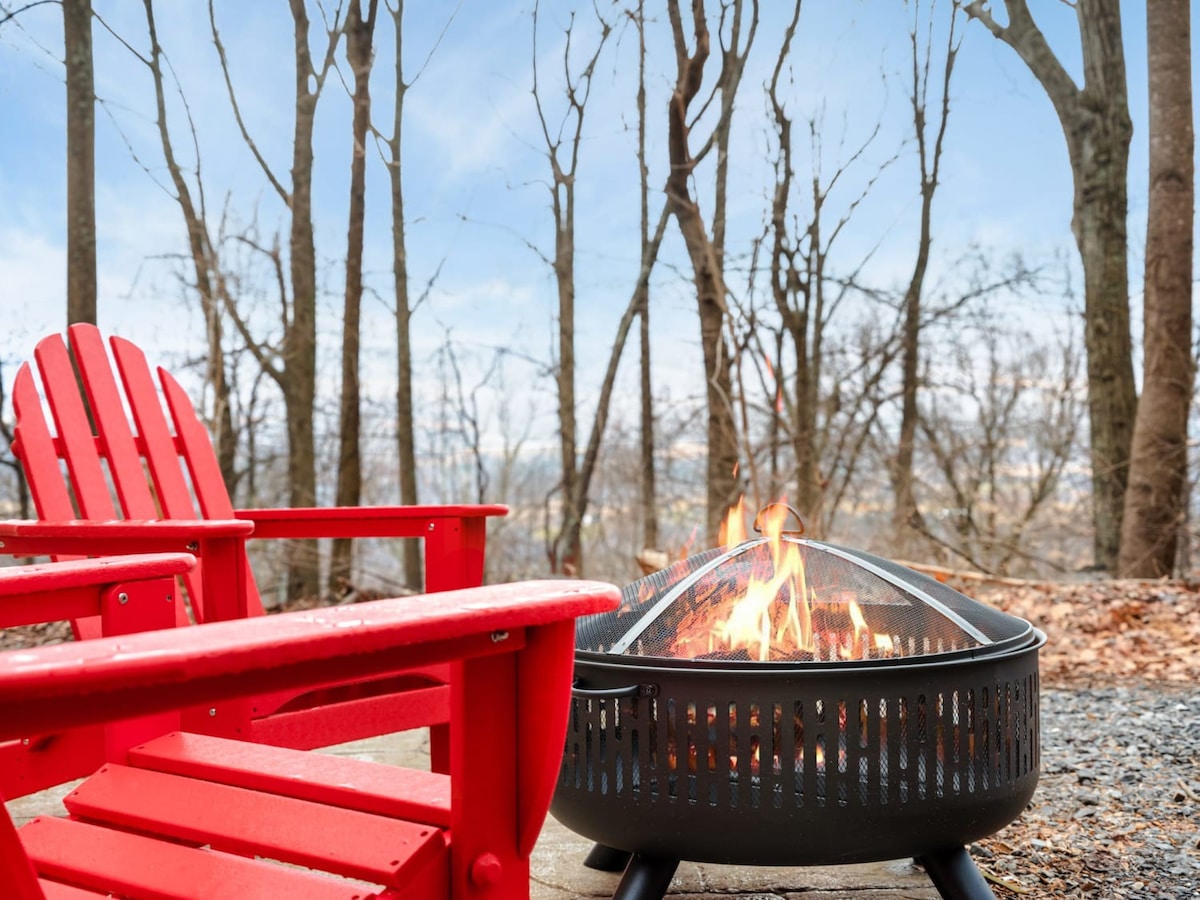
[
  {"x": 34, "y": 446},
  {"x": 112, "y": 424},
  {"x": 196, "y": 447},
  {"x": 74, "y": 430},
  {"x": 158, "y": 444}
]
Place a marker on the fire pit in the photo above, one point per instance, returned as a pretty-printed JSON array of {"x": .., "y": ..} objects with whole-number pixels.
[{"x": 789, "y": 702}]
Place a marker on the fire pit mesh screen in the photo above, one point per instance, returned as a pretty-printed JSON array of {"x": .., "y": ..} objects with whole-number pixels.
[{"x": 837, "y": 604}]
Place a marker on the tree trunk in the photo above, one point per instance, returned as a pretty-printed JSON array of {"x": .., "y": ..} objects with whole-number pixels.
[
  {"x": 649, "y": 493},
  {"x": 721, "y": 431},
  {"x": 569, "y": 558},
  {"x": 405, "y": 429},
  {"x": 906, "y": 516},
  {"x": 295, "y": 370},
  {"x": 795, "y": 299},
  {"x": 300, "y": 339},
  {"x": 81, "y": 162},
  {"x": 1154, "y": 498},
  {"x": 566, "y": 548},
  {"x": 1095, "y": 120},
  {"x": 359, "y": 53}
]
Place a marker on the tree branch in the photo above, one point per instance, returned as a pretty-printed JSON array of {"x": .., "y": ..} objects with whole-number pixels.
[
  {"x": 1024, "y": 36},
  {"x": 283, "y": 193}
]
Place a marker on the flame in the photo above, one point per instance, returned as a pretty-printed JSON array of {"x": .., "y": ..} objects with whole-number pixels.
[
  {"x": 758, "y": 621},
  {"x": 733, "y": 529},
  {"x": 857, "y": 649},
  {"x": 754, "y": 758},
  {"x": 777, "y": 614}
]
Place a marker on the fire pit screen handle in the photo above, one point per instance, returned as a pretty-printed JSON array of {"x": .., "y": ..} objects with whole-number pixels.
[
  {"x": 632, "y": 690},
  {"x": 772, "y": 509}
]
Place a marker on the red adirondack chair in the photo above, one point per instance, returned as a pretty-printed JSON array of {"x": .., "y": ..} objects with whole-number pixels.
[
  {"x": 173, "y": 814},
  {"x": 111, "y": 473}
]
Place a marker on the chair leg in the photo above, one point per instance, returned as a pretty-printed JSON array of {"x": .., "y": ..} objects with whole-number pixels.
[
  {"x": 22, "y": 881},
  {"x": 439, "y": 748}
]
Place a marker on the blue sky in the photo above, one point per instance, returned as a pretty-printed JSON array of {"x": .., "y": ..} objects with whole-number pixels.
[{"x": 475, "y": 169}]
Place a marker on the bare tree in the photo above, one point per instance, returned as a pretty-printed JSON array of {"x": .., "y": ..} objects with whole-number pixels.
[
  {"x": 1095, "y": 121},
  {"x": 293, "y": 366},
  {"x": 81, "y": 161},
  {"x": 791, "y": 358},
  {"x": 649, "y": 495},
  {"x": 206, "y": 267},
  {"x": 705, "y": 249},
  {"x": 906, "y": 514},
  {"x": 1154, "y": 499},
  {"x": 405, "y": 431},
  {"x": 794, "y": 301},
  {"x": 360, "y": 53},
  {"x": 562, "y": 143}
]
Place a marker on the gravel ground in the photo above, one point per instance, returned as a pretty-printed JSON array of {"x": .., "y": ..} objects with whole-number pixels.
[{"x": 1117, "y": 809}]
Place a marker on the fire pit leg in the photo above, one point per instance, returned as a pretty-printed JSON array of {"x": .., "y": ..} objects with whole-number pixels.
[
  {"x": 607, "y": 859},
  {"x": 646, "y": 878},
  {"x": 955, "y": 876}
]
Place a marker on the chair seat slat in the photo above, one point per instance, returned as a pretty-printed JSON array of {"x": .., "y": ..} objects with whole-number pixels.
[
  {"x": 345, "y": 842},
  {"x": 102, "y": 859},
  {"x": 411, "y": 794}
]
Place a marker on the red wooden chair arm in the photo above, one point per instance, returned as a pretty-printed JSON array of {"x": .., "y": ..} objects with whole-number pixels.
[
  {"x": 454, "y": 535},
  {"x": 221, "y": 543},
  {"x": 47, "y": 688},
  {"x": 65, "y": 590},
  {"x": 49, "y": 577},
  {"x": 112, "y": 537},
  {"x": 360, "y": 521}
]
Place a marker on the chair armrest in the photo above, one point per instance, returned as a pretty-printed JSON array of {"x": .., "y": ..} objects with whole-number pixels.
[
  {"x": 90, "y": 537},
  {"x": 221, "y": 543},
  {"x": 361, "y": 521},
  {"x": 454, "y": 536},
  {"x": 46, "y": 578},
  {"x": 52, "y": 592},
  {"x": 49, "y": 688}
]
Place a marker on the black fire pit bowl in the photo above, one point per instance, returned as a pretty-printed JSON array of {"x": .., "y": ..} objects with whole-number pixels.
[{"x": 800, "y": 763}]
